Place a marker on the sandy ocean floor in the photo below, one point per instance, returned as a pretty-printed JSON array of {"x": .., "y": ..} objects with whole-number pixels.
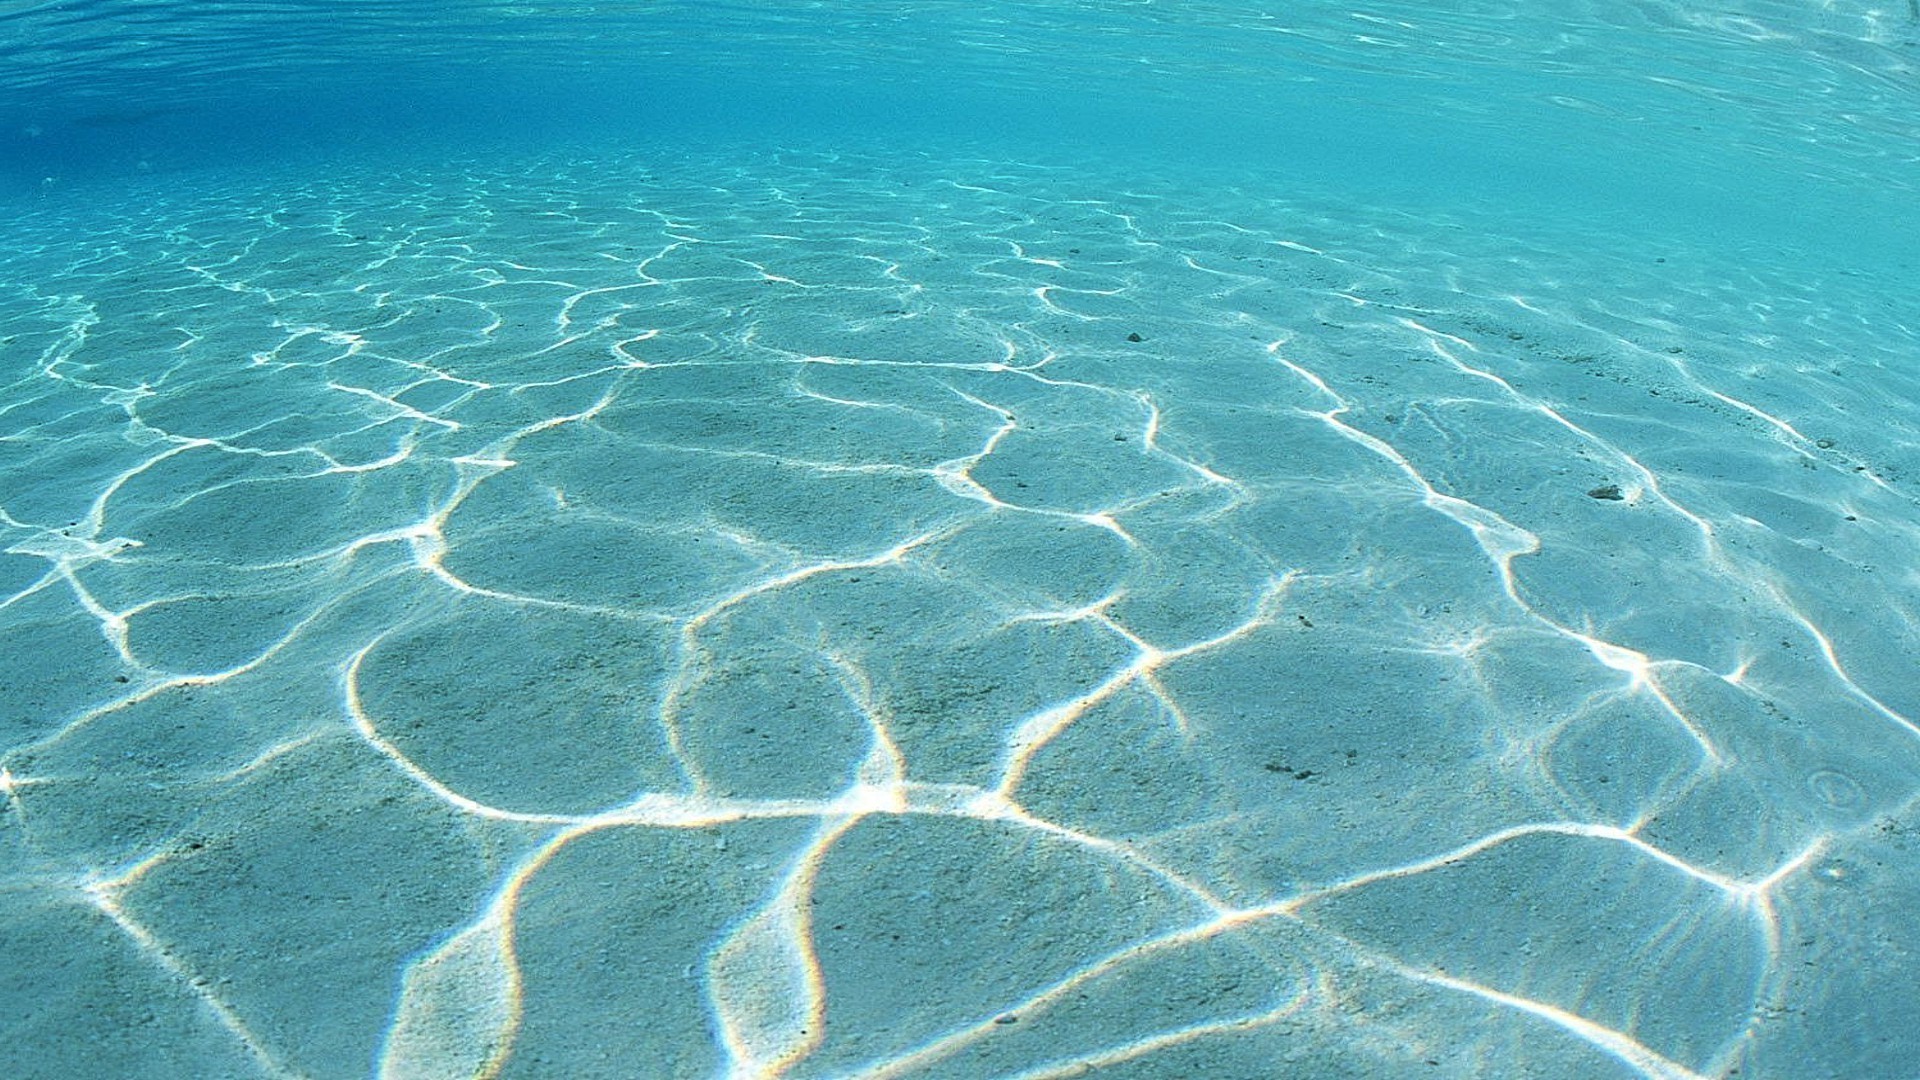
[{"x": 850, "y": 615}]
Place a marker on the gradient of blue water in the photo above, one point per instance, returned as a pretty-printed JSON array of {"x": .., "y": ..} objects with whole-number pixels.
[
  {"x": 1785, "y": 122},
  {"x": 1753, "y": 135}
]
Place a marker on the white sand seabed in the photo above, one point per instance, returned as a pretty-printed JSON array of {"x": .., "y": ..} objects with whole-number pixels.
[{"x": 840, "y": 615}]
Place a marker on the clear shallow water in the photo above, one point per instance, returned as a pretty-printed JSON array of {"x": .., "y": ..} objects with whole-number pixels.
[{"x": 558, "y": 583}]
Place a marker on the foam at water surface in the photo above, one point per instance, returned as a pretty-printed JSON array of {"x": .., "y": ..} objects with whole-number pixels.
[{"x": 862, "y": 614}]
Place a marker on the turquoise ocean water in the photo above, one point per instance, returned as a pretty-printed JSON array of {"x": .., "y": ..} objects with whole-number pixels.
[{"x": 887, "y": 539}]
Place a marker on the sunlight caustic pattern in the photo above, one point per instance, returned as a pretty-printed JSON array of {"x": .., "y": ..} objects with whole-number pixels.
[{"x": 795, "y": 615}]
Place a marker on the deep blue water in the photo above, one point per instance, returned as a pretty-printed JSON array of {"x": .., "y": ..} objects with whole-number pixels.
[
  {"x": 1022, "y": 539},
  {"x": 1766, "y": 111}
]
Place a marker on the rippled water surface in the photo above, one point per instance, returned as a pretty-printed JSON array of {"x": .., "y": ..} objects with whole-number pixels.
[{"x": 1008, "y": 540}]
